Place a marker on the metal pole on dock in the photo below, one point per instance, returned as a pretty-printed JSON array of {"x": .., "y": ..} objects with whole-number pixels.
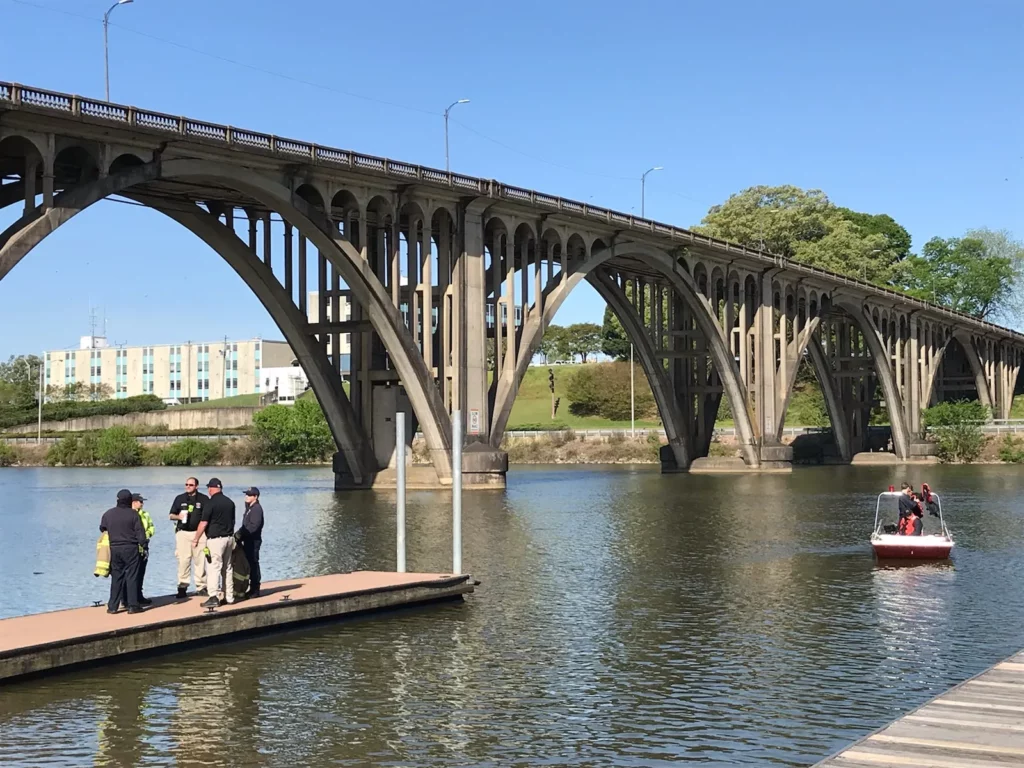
[
  {"x": 400, "y": 486},
  {"x": 457, "y": 492}
]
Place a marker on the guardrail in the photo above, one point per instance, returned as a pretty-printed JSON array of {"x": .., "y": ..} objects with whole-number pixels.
[{"x": 36, "y": 98}]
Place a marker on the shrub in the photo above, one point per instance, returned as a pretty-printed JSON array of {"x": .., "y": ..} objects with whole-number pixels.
[
  {"x": 8, "y": 454},
  {"x": 61, "y": 411},
  {"x": 957, "y": 429},
  {"x": 1012, "y": 450},
  {"x": 240, "y": 452},
  {"x": 603, "y": 390},
  {"x": 73, "y": 451},
  {"x": 292, "y": 434},
  {"x": 118, "y": 447},
  {"x": 190, "y": 452}
]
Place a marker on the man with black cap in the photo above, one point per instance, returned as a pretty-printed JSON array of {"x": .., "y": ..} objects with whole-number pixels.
[
  {"x": 251, "y": 536},
  {"x": 218, "y": 524},
  {"x": 150, "y": 529},
  {"x": 186, "y": 510},
  {"x": 127, "y": 537}
]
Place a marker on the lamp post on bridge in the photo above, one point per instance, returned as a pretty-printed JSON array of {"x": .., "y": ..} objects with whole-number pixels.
[
  {"x": 449, "y": 109},
  {"x": 632, "y": 386},
  {"x": 106, "y": 55}
]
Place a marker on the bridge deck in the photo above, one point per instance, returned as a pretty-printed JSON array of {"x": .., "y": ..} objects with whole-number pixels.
[
  {"x": 57, "y": 640},
  {"x": 978, "y": 723}
]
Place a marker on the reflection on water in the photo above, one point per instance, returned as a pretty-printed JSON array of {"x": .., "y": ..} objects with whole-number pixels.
[{"x": 624, "y": 619}]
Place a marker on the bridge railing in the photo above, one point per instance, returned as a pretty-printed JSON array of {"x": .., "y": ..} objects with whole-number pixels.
[{"x": 21, "y": 96}]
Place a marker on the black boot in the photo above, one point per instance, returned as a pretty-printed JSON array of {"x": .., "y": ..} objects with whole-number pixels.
[
  {"x": 182, "y": 593},
  {"x": 145, "y": 601}
]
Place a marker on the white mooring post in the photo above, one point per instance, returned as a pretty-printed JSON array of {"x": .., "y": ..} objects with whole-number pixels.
[
  {"x": 457, "y": 492},
  {"x": 400, "y": 486}
]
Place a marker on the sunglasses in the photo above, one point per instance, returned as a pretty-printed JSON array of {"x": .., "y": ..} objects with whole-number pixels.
[{"x": 190, "y": 485}]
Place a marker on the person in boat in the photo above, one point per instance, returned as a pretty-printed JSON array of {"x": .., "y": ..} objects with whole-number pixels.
[
  {"x": 906, "y": 506},
  {"x": 915, "y": 525},
  {"x": 929, "y": 501}
]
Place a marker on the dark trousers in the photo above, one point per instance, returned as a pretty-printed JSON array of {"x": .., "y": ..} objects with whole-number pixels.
[
  {"x": 251, "y": 547},
  {"x": 142, "y": 570},
  {"x": 124, "y": 576}
]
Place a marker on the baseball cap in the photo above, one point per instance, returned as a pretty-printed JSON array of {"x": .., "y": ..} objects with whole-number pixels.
[
  {"x": 138, "y": 497},
  {"x": 124, "y": 495},
  {"x": 214, "y": 483},
  {"x": 252, "y": 491}
]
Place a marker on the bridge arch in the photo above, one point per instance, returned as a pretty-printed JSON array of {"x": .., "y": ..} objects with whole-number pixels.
[
  {"x": 681, "y": 282},
  {"x": 18, "y": 239}
]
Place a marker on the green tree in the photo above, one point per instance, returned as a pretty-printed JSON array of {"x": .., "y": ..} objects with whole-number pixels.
[
  {"x": 553, "y": 345},
  {"x": 613, "y": 338},
  {"x": 962, "y": 274},
  {"x": 118, "y": 447},
  {"x": 19, "y": 380},
  {"x": 806, "y": 226},
  {"x": 957, "y": 429},
  {"x": 583, "y": 339},
  {"x": 603, "y": 390},
  {"x": 1001, "y": 244},
  {"x": 293, "y": 434}
]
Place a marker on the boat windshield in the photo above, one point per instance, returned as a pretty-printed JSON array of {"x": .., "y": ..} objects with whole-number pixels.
[{"x": 887, "y": 515}]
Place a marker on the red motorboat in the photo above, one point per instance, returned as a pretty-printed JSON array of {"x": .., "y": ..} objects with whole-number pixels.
[{"x": 934, "y": 542}]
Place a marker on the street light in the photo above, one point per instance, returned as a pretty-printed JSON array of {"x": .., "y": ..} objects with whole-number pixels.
[
  {"x": 106, "y": 56},
  {"x": 453, "y": 104},
  {"x": 39, "y": 396},
  {"x": 643, "y": 184},
  {"x": 632, "y": 385}
]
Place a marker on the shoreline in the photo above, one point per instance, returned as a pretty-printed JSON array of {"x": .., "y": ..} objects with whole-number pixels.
[{"x": 552, "y": 449}]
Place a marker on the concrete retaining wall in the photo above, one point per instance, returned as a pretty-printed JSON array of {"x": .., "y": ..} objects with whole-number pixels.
[{"x": 213, "y": 419}]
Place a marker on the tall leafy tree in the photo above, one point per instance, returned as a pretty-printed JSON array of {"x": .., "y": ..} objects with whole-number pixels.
[
  {"x": 613, "y": 338},
  {"x": 806, "y": 226},
  {"x": 19, "y": 380},
  {"x": 1001, "y": 243},
  {"x": 583, "y": 339},
  {"x": 553, "y": 345},
  {"x": 962, "y": 274}
]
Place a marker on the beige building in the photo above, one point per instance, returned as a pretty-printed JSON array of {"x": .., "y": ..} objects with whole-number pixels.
[
  {"x": 344, "y": 315},
  {"x": 186, "y": 372}
]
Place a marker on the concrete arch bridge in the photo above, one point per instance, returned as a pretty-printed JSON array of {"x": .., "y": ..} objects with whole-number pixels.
[{"x": 434, "y": 264}]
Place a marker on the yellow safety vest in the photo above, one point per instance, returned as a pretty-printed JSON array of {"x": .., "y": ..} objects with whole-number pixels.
[
  {"x": 102, "y": 556},
  {"x": 147, "y": 524}
]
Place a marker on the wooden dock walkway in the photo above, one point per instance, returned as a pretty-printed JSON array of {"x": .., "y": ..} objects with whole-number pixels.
[
  {"x": 45, "y": 642},
  {"x": 977, "y": 724}
]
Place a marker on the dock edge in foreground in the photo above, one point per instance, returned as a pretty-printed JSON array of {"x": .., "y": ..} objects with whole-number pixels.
[
  {"x": 976, "y": 722},
  {"x": 239, "y": 622}
]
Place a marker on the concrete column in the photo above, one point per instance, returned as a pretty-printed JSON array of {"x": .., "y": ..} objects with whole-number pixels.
[
  {"x": 470, "y": 353},
  {"x": 427, "y": 292},
  {"x": 765, "y": 361},
  {"x": 253, "y": 239},
  {"x": 289, "y": 270},
  {"x": 268, "y": 245},
  {"x": 48, "y": 159},
  {"x": 444, "y": 274},
  {"x": 913, "y": 403},
  {"x": 497, "y": 273},
  {"x": 395, "y": 243},
  {"x": 540, "y": 254},
  {"x": 31, "y": 169},
  {"x": 413, "y": 241},
  {"x": 302, "y": 276},
  {"x": 510, "y": 296}
]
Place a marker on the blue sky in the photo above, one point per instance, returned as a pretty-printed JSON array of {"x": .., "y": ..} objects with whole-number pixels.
[{"x": 910, "y": 108}]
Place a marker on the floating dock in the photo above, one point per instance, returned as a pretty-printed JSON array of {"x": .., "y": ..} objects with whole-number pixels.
[
  {"x": 60, "y": 640},
  {"x": 976, "y": 724}
]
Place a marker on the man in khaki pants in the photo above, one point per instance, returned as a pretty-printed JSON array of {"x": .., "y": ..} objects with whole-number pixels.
[
  {"x": 218, "y": 523},
  {"x": 186, "y": 512}
]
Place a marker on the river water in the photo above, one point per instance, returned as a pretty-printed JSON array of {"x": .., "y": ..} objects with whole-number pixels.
[{"x": 625, "y": 619}]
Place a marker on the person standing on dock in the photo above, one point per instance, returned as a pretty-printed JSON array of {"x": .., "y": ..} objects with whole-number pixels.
[
  {"x": 218, "y": 524},
  {"x": 251, "y": 535},
  {"x": 127, "y": 537},
  {"x": 186, "y": 511},
  {"x": 150, "y": 529}
]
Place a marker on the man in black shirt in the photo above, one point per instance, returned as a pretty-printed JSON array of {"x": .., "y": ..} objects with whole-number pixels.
[
  {"x": 251, "y": 534},
  {"x": 127, "y": 536},
  {"x": 906, "y": 504},
  {"x": 218, "y": 524},
  {"x": 186, "y": 510}
]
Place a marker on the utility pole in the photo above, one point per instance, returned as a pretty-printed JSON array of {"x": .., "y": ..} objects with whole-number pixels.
[
  {"x": 453, "y": 104},
  {"x": 39, "y": 423},
  {"x": 106, "y": 48}
]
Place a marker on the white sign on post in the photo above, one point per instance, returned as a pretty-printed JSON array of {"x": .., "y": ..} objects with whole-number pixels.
[{"x": 474, "y": 421}]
